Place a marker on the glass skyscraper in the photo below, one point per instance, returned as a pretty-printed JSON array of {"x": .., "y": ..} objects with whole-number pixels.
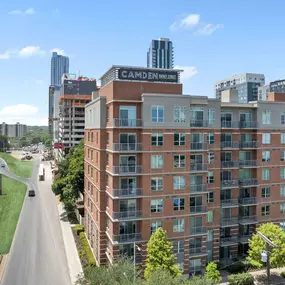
[
  {"x": 59, "y": 66},
  {"x": 160, "y": 54}
]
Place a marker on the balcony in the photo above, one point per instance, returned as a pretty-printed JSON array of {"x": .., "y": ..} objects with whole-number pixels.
[
  {"x": 198, "y": 146},
  {"x": 247, "y": 220},
  {"x": 198, "y": 124},
  {"x": 230, "y": 164},
  {"x": 229, "y": 145},
  {"x": 195, "y": 270},
  {"x": 229, "y": 183},
  {"x": 197, "y": 231},
  {"x": 229, "y": 222},
  {"x": 127, "y": 123},
  {"x": 127, "y": 237},
  {"x": 127, "y": 215},
  {"x": 249, "y": 144},
  {"x": 198, "y": 167},
  {"x": 248, "y": 201},
  {"x": 197, "y": 251},
  {"x": 248, "y": 124},
  {"x": 244, "y": 238},
  {"x": 248, "y": 163},
  {"x": 229, "y": 203},
  {"x": 227, "y": 241},
  {"x": 197, "y": 189},
  {"x": 127, "y": 169},
  {"x": 229, "y": 125},
  {"x": 200, "y": 209},
  {"x": 248, "y": 182},
  {"x": 127, "y": 147},
  {"x": 129, "y": 192}
]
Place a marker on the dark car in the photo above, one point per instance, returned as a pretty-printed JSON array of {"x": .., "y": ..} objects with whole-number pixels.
[
  {"x": 32, "y": 193},
  {"x": 3, "y": 165}
]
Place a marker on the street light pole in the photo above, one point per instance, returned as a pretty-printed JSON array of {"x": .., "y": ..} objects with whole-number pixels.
[
  {"x": 134, "y": 262},
  {"x": 268, "y": 263}
]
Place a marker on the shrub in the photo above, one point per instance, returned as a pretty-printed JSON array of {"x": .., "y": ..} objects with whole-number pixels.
[
  {"x": 87, "y": 249},
  {"x": 241, "y": 279},
  {"x": 282, "y": 274},
  {"x": 79, "y": 229},
  {"x": 212, "y": 273},
  {"x": 237, "y": 267}
]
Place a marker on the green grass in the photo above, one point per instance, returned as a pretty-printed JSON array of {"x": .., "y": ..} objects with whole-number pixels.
[
  {"x": 10, "y": 207},
  {"x": 18, "y": 167}
]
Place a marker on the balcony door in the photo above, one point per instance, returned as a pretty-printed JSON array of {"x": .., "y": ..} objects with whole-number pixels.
[
  {"x": 196, "y": 225},
  {"x": 128, "y": 163},
  {"x": 226, "y": 194},
  {"x": 128, "y": 115},
  {"x": 197, "y": 115},
  {"x": 127, "y": 230},
  {"x": 128, "y": 142},
  {"x": 245, "y": 117},
  {"x": 128, "y": 205},
  {"x": 226, "y": 119},
  {"x": 196, "y": 159},
  {"x": 128, "y": 185}
]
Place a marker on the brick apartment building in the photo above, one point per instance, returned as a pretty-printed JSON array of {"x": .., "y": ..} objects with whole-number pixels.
[{"x": 206, "y": 170}]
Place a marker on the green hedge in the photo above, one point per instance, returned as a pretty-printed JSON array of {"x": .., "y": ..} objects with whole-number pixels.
[
  {"x": 241, "y": 279},
  {"x": 87, "y": 249},
  {"x": 237, "y": 267},
  {"x": 79, "y": 229},
  {"x": 282, "y": 274}
]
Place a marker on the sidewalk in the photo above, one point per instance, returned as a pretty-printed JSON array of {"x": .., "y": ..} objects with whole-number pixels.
[
  {"x": 3, "y": 263},
  {"x": 73, "y": 260}
]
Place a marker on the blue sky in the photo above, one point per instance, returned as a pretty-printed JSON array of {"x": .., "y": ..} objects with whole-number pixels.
[{"x": 212, "y": 40}]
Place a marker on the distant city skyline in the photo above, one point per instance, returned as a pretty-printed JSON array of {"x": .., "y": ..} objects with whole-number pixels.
[{"x": 59, "y": 66}]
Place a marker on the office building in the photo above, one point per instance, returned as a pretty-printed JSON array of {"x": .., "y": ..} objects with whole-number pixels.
[
  {"x": 59, "y": 66},
  {"x": 263, "y": 93},
  {"x": 277, "y": 86},
  {"x": 13, "y": 130},
  {"x": 208, "y": 171},
  {"x": 75, "y": 93},
  {"x": 160, "y": 54},
  {"x": 246, "y": 84}
]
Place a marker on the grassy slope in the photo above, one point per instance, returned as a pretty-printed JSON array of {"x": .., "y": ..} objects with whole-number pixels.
[
  {"x": 20, "y": 168},
  {"x": 12, "y": 199}
]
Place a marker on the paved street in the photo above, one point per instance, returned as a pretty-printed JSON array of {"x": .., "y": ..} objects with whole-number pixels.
[{"x": 37, "y": 255}]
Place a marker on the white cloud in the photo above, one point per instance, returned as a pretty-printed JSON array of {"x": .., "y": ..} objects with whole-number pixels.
[
  {"x": 208, "y": 29},
  {"x": 188, "y": 72},
  {"x": 185, "y": 22},
  {"x": 22, "y": 113},
  {"x": 59, "y": 51},
  {"x": 29, "y": 51},
  {"x": 28, "y": 12}
]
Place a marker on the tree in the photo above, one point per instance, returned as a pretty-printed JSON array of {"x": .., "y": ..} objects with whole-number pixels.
[
  {"x": 160, "y": 255},
  {"x": 4, "y": 143},
  {"x": 257, "y": 245},
  {"x": 212, "y": 273}
]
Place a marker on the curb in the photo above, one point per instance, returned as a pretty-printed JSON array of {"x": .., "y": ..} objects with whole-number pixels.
[{"x": 3, "y": 264}]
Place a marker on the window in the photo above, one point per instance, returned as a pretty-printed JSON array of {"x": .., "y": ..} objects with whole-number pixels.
[
  {"x": 282, "y": 226},
  {"x": 179, "y": 114},
  {"x": 88, "y": 153},
  {"x": 282, "y": 191},
  {"x": 157, "y": 139},
  {"x": 265, "y": 210},
  {"x": 282, "y": 155},
  {"x": 156, "y": 206},
  {"x": 282, "y": 173},
  {"x": 266, "y": 138},
  {"x": 178, "y": 204},
  {"x": 282, "y": 209},
  {"x": 179, "y": 139},
  {"x": 179, "y": 161},
  {"x": 265, "y": 192},
  {"x": 154, "y": 226},
  {"x": 211, "y": 116},
  {"x": 157, "y": 114},
  {"x": 211, "y": 157},
  {"x": 210, "y": 177},
  {"x": 156, "y": 183},
  {"x": 91, "y": 137},
  {"x": 265, "y": 173},
  {"x": 178, "y": 182},
  {"x": 282, "y": 138},
  {"x": 210, "y": 216},
  {"x": 282, "y": 118},
  {"x": 266, "y": 117},
  {"x": 91, "y": 154},
  {"x": 178, "y": 246},
  {"x": 88, "y": 137},
  {"x": 96, "y": 156},
  {"x": 108, "y": 114},
  {"x": 266, "y": 155},
  {"x": 107, "y": 159},
  {"x": 210, "y": 197},
  {"x": 156, "y": 161},
  {"x": 211, "y": 138},
  {"x": 178, "y": 226}
]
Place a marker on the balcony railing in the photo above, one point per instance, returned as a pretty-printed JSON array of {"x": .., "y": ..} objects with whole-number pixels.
[
  {"x": 229, "y": 164},
  {"x": 227, "y": 222},
  {"x": 198, "y": 146},
  {"x": 248, "y": 163},
  {"x": 248, "y": 182},
  {"x": 129, "y": 192},
  {"x": 228, "y": 203},
  {"x": 249, "y": 144},
  {"x": 127, "y": 147},
  {"x": 229, "y": 144},
  {"x": 127, "y": 237},
  {"x": 244, "y": 238},
  {"x": 198, "y": 209},
  {"x": 229, "y": 183},
  {"x": 127, "y": 123},
  {"x": 226, "y": 241},
  {"x": 200, "y": 230},
  {"x": 248, "y": 201},
  {"x": 198, "y": 124},
  {"x": 127, "y": 215},
  {"x": 248, "y": 124},
  {"x": 197, "y": 251},
  {"x": 197, "y": 167},
  {"x": 127, "y": 169},
  {"x": 247, "y": 220},
  {"x": 194, "y": 189},
  {"x": 195, "y": 269},
  {"x": 229, "y": 125}
]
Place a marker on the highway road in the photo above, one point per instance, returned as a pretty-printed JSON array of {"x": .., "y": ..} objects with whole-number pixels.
[{"x": 37, "y": 255}]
